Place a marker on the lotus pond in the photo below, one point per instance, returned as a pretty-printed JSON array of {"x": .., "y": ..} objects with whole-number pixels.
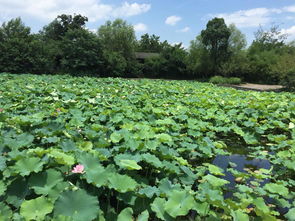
[{"x": 116, "y": 149}]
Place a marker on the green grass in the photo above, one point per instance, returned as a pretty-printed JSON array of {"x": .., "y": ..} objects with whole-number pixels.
[{"x": 147, "y": 148}]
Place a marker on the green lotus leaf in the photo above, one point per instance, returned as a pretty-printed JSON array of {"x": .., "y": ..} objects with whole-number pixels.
[
  {"x": 214, "y": 169},
  {"x": 238, "y": 215},
  {"x": 291, "y": 215},
  {"x": 122, "y": 183},
  {"x": 2, "y": 163},
  {"x": 202, "y": 208},
  {"x": 19, "y": 141},
  {"x": 44, "y": 182},
  {"x": 62, "y": 158},
  {"x": 144, "y": 216},
  {"x": 68, "y": 145},
  {"x": 17, "y": 191},
  {"x": 152, "y": 159},
  {"x": 164, "y": 138},
  {"x": 149, "y": 191},
  {"x": 158, "y": 207},
  {"x": 179, "y": 203},
  {"x": 2, "y": 187},
  {"x": 36, "y": 209},
  {"x": 25, "y": 166},
  {"x": 5, "y": 212},
  {"x": 125, "y": 215},
  {"x": 277, "y": 188},
  {"x": 129, "y": 164},
  {"x": 261, "y": 207},
  {"x": 98, "y": 175},
  {"x": 116, "y": 137},
  {"x": 215, "y": 181},
  {"x": 77, "y": 204}
]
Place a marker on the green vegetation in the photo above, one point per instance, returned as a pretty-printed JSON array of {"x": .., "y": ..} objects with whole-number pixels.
[
  {"x": 224, "y": 80},
  {"x": 66, "y": 46},
  {"x": 76, "y": 148}
]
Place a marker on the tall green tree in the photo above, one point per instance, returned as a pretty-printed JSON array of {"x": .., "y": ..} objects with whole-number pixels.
[
  {"x": 118, "y": 36},
  {"x": 81, "y": 53},
  {"x": 56, "y": 41},
  {"x": 118, "y": 41},
  {"x": 236, "y": 64},
  {"x": 264, "y": 54},
  {"x": 63, "y": 23},
  {"x": 16, "y": 51},
  {"x": 216, "y": 39},
  {"x": 150, "y": 43},
  {"x": 237, "y": 40},
  {"x": 199, "y": 62}
]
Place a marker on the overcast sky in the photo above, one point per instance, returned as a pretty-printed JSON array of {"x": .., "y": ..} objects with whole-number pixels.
[{"x": 173, "y": 20}]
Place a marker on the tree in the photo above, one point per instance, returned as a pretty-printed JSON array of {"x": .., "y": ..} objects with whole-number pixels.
[
  {"x": 16, "y": 54},
  {"x": 216, "y": 39},
  {"x": 269, "y": 40},
  {"x": 199, "y": 63},
  {"x": 81, "y": 53},
  {"x": 237, "y": 64},
  {"x": 150, "y": 43},
  {"x": 118, "y": 41},
  {"x": 169, "y": 64},
  {"x": 237, "y": 40},
  {"x": 264, "y": 55},
  {"x": 118, "y": 36},
  {"x": 63, "y": 23},
  {"x": 52, "y": 36}
]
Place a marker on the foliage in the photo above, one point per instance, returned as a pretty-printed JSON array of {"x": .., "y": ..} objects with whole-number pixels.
[
  {"x": 199, "y": 63},
  {"x": 237, "y": 40},
  {"x": 146, "y": 148},
  {"x": 118, "y": 36},
  {"x": 150, "y": 43},
  {"x": 16, "y": 47},
  {"x": 288, "y": 79},
  {"x": 58, "y": 28},
  {"x": 81, "y": 53},
  {"x": 169, "y": 64},
  {"x": 224, "y": 80},
  {"x": 216, "y": 39}
]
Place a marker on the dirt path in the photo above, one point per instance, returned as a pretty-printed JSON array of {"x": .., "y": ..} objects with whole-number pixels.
[{"x": 257, "y": 87}]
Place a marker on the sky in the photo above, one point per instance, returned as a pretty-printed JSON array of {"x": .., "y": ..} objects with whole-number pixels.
[{"x": 173, "y": 20}]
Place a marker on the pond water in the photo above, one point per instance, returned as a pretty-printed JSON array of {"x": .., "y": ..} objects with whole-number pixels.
[{"x": 241, "y": 162}]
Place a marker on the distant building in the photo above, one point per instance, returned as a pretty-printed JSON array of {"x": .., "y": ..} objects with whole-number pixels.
[{"x": 141, "y": 56}]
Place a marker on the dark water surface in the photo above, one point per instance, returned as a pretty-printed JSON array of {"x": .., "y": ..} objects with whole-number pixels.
[{"x": 241, "y": 162}]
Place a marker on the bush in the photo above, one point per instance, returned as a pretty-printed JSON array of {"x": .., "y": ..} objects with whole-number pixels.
[
  {"x": 288, "y": 80},
  {"x": 224, "y": 80}
]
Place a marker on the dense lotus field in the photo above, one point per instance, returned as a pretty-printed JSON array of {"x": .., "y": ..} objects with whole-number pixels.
[{"x": 114, "y": 149}]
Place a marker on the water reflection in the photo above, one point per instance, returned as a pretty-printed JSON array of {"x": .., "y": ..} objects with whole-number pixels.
[{"x": 241, "y": 162}]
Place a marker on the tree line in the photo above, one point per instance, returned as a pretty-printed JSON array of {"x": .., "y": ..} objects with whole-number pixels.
[{"x": 66, "y": 46}]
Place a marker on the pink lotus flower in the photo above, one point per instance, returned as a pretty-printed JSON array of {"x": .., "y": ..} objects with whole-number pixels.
[{"x": 78, "y": 169}]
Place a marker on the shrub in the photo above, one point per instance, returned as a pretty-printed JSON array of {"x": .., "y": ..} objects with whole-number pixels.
[
  {"x": 224, "y": 80},
  {"x": 288, "y": 80}
]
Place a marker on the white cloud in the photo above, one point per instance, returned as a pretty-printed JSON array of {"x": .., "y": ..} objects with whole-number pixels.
[
  {"x": 290, "y": 8},
  {"x": 140, "y": 27},
  {"x": 172, "y": 20},
  {"x": 49, "y": 9},
  {"x": 249, "y": 18},
  {"x": 127, "y": 9},
  {"x": 290, "y": 32},
  {"x": 186, "y": 29}
]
